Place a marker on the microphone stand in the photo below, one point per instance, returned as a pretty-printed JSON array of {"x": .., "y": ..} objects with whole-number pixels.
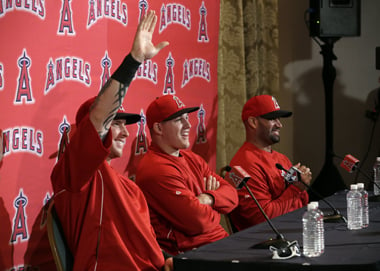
[
  {"x": 280, "y": 242},
  {"x": 336, "y": 216},
  {"x": 329, "y": 180},
  {"x": 374, "y": 198}
]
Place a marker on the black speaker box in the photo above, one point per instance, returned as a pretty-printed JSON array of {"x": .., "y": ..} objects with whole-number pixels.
[
  {"x": 334, "y": 18},
  {"x": 378, "y": 58}
]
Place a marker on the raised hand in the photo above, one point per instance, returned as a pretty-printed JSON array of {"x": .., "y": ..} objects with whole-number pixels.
[{"x": 142, "y": 47}]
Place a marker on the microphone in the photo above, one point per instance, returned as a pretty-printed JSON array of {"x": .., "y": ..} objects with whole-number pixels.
[
  {"x": 336, "y": 216},
  {"x": 238, "y": 177},
  {"x": 291, "y": 175},
  {"x": 350, "y": 164}
]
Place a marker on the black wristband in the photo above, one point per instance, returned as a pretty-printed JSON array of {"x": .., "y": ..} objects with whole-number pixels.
[
  {"x": 126, "y": 71},
  {"x": 166, "y": 255}
]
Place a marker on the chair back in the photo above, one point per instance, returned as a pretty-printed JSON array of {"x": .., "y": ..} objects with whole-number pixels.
[
  {"x": 225, "y": 220},
  {"x": 63, "y": 257}
]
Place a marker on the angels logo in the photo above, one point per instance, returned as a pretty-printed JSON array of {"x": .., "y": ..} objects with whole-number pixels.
[
  {"x": 202, "y": 32},
  {"x": 24, "y": 90},
  {"x": 234, "y": 179},
  {"x": 291, "y": 175},
  {"x": 275, "y": 103},
  {"x": 143, "y": 6},
  {"x": 201, "y": 128},
  {"x": 141, "y": 140},
  {"x": 23, "y": 139},
  {"x": 65, "y": 20},
  {"x": 106, "y": 64},
  {"x": 148, "y": 70},
  {"x": 174, "y": 14},
  {"x": 349, "y": 163},
  {"x": 20, "y": 228},
  {"x": 196, "y": 67},
  {"x": 67, "y": 68},
  {"x": 64, "y": 129},
  {"x": 114, "y": 10},
  {"x": 179, "y": 103},
  {"x": 1, "y": 77},
  {"x": 36, "y": 7},
  {"x": 169, "y": 78}
]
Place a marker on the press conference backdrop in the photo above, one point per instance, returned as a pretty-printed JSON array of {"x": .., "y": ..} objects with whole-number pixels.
[{"x": 56, "y": 54}]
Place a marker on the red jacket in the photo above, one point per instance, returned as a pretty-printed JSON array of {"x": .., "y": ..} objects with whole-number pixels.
[
  {"x": 104, "y": 215},
  {"x": 171, "y": 186},
  {"x": 267, "y": 185}
]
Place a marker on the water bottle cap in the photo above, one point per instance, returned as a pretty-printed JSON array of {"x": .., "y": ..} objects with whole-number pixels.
[
  {"x": 312, "y": 205},
  {"x": 353, "y": 187},
  {"x": 315, "y": 203},
  {"x": 360, "y": 185}
]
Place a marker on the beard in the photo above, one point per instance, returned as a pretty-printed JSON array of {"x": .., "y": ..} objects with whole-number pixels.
[{"x": 274, "y": 138}]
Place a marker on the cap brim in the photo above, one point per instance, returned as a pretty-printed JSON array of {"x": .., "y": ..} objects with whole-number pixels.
[
  {"x": 182, "y": 111},
  {"x": 277, "y": 114},
  {"x": 128, "y": 117}
]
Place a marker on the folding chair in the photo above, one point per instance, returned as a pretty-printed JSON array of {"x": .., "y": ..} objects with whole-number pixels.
[
  {"x": 62, "y": 255},
  {"x": 225, "y": 220}
]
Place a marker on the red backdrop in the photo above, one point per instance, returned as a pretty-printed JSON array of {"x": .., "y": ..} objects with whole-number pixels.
[{"x": 56, "y": 54}]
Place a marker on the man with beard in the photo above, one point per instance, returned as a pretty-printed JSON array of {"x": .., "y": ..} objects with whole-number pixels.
[
  {"x": 104, "y": 215},
  {"x": 261, "y": 116}
]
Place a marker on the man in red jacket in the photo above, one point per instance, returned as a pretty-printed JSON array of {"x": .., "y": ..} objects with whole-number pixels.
[
  {"x": 104, "y": 215},
  {"x": 261, "y": 116},
  {"x": 184, "y": 195}
]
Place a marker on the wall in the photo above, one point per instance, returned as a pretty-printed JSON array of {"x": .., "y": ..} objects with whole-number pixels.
[
  {"x": 54, "y": 55},
  {"x": 302, "y": 90}
]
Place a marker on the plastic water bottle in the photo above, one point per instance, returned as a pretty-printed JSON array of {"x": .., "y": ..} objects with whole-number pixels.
[
  {"x": 312, "y": 235},
  {"x": 354, "y": 208},
  {"x": 321, "y": 226},
  {"x": 365, "y": 217},
  {"x": 376, "y": 176}
]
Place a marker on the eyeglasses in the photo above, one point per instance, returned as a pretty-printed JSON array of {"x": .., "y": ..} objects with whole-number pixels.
[{"x": 290, "y": 251}]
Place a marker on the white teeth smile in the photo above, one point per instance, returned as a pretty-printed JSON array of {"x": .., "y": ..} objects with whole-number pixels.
[{"x": 120, "y": 142}]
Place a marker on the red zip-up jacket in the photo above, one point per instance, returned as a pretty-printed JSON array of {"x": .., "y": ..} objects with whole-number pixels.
[
  {"x": 171, "y": 186},
  {"x": 267, "y": 184},
  {"x": 104, "y": 215}
]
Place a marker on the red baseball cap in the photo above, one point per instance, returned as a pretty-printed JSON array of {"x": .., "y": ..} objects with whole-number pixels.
[
  {"x": 166, "y": 107},
  {"x": 264, "y": 106},
  {"x": 84, "y": 109}
]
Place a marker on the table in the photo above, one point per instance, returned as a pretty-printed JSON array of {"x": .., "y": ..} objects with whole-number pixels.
[{"x": 344, "y": 250}]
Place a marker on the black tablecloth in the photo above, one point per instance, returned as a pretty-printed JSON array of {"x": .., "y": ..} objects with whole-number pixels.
[{"x": 344, "y": 250}]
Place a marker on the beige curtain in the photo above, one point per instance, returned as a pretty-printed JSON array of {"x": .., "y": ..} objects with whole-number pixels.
[{"x": 247, "y": 66}]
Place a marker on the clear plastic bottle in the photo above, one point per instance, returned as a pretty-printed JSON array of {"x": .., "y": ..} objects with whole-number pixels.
[
  {"x": 365, "y": 217},
  {"x": 312, "y": 236},
  {"x": 321, "y": 226},
  {"x": 376, "y": 176},
  {"x": 354, "y": 208}
]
